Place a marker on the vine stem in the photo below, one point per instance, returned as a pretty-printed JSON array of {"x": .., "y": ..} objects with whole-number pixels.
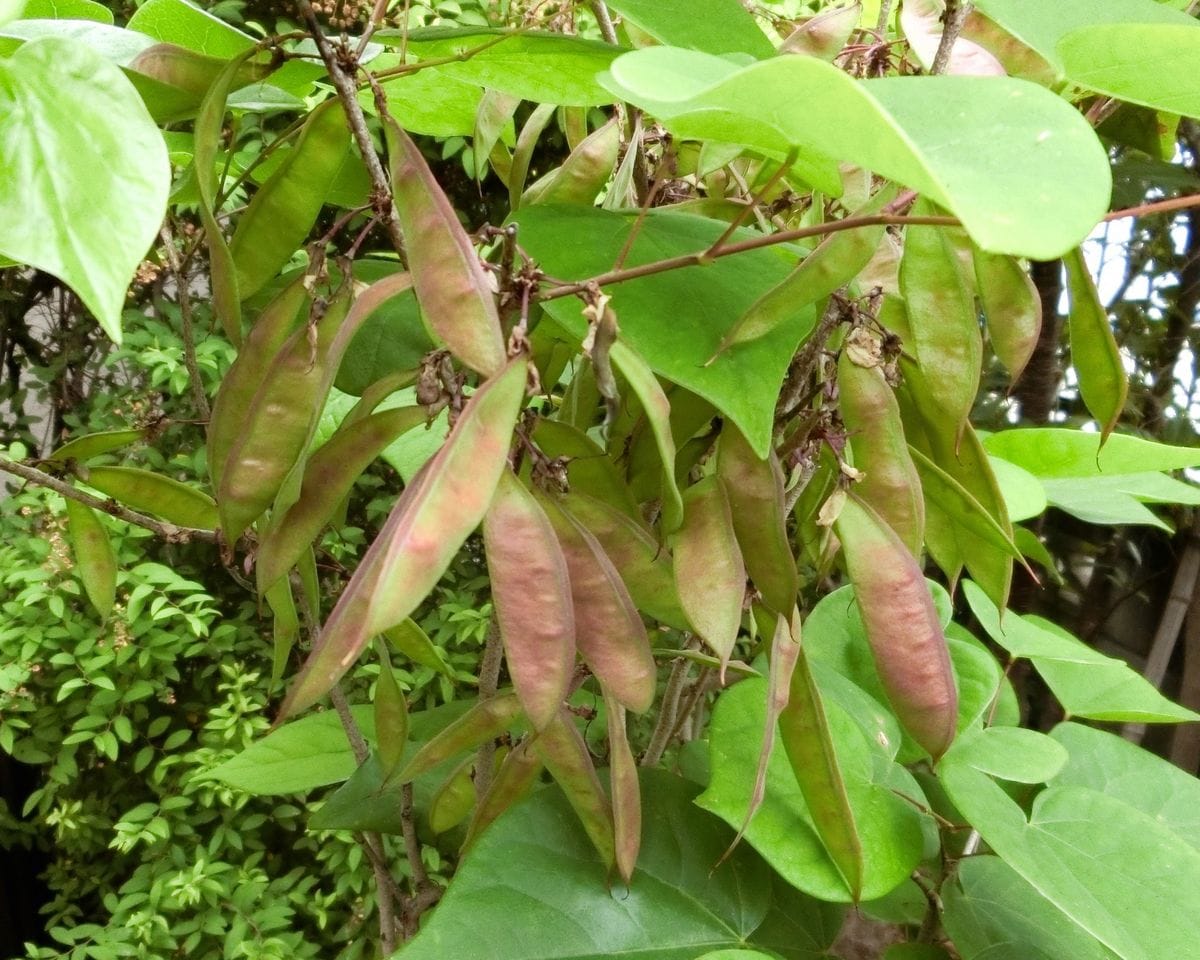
[
  {"x": 347, "y": 92},
  {"x": 166, "y": 531},
  {"x": 199, "y": 400},
  {"x": 956, "y": 16}
]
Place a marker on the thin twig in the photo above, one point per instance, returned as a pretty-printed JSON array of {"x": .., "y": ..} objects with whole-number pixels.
[
  {"x": 754, "y": 200},
  {"x": 166, "y": 531},
  {"x": 405, "y": 69},
  {"x": 199, "y": 400},
  {"x": 412, "y": 846},
  {"x": 347, "y": 91},
  {"x": 668, "y": 712},
  {"x": 1158, "y": 206},
  {"x": 885, "y": 13},
  {"x": 377, "y": 15},
  {"x": 702, "y": 257},
  {"x": 804, "y": 364},
  {"x": 358, "y": 743},
  {"x": 489, "y": 683},
  {"x": 952, "y": 24},
  {"x": 607, "y": 30}
]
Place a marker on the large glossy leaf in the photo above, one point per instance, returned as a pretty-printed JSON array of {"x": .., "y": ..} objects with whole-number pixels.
[
  {"x": 1088, "y": 853},
  {"x": 1026, "y": 174},
  {"x": 1051, "y": 452},
  {"x": 1123, "y": 770},
  {"x": 714, "y": 26},
  {"x": 426, "y": 101},
  {"x": 991, "y": 913},
  {"x": 543, "y": 67},
  {"x": 1111, "y": 59},
  {"x": 86, "y": 174},
  {"x": 1010, "y": 753},
  {"x": 702, "y": 303},
  {"x": 1042, "y": 25},
  {"x": 782, "y": 830},
  {"x": 679, "y": 905},
  {"x": 1086, "y": 682}
]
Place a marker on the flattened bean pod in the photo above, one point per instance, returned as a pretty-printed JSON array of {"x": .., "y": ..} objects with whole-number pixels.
[
  {"x": 902, "y": 626},
  {"x": 512, "y": 783},
  {"x": 93, "y": 444},
  {"x": 391, "y": 715},
  {"x": 585, "y": 171},
  {"x": 626, "y": 794},
  {"x": 431, "y": 520},
  {"x": 140, "y": 489},
  {"x": 531, "y": 592},
  {"x": 95, "y": 561},
  {"x": 566, "y": 756},
  {"x": 484, "y": 721},
  {"x": 1103, "y": 383},
  {"x": 1012, "y": 306}
]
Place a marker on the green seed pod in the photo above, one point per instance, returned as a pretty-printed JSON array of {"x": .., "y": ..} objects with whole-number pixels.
[
  {"x": 871, "y": 414},
  {"x": 626, "y": 794},
  {"x": 531, "y": 592},
  {"x": 755, "y": 491},
  {"x": 81, "y": 449},
  {"x": 453, "y": 800},
  {"x": 95, "y": 561},
  {"x": 902, "y": 626},
  {"x": 391, "y": 715},
  {"x": 452, "y": 288},
  {"x": 431, "y": 520},
  {"x": 175, "y": 502},
  {"x": 1103, "y": 383},
  {"x": 512, "y": 783},
  {"x": 585, "y": 171},
  {"x": 566, "y": 756},
  {"x": 484, "y": 721},
  {"x": 710, "y": 574},
  {"x": 1012, "y": 306}
]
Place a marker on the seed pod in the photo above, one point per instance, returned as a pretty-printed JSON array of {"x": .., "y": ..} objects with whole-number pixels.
[
  {"x": 710, "y": 574},
  {"x": 872, "y": 418},
  {"x": 589, "y": 469},
  {"x": 644, "y": 566},
  {"x": 835, "y": 262},
  {"x": 608, "y": 631},
  {"x": 824, "y": 35},
  {"x": 452, "y": 288},
  {"x": 285, "y": 207},
  {"x": 626, "y": 794},
  {"x": 585, "y": 171},
  {"x": 91, "y": 445},
  {"x": 414, "y": 643},
  {"x": 285, "y": 628},
  {"x": 512, "y": 783},
  {"x": 484, "y": 721},
  {"x": 431, "y": 520},
  {"x": 452, "y": 802},
  {"x": 232, "y": 405},
  {"x": 755, "y": 491},
  {"x": 691, "y": 414},
  {"x": 804, "y": 730},
  {"x": 527, "y": 140},
  {"x": 175, "y": 502},
  {"x": 943, "y": 321},
  {"x": 566, "y": 756},
  {"x": 532, "y": 596},
  {"x": 902, "y": 626},
  {"x": 280, "y": 419},
  {"x": 206, "y": 136},
  {"x": 494, "y": 113},
  {"x": 190, "y": 71},
  {"x": 329, "y": 476},
  {"x": 1103, "y": 383},
  {"x": 95, "y": 561},
  {"x": 391, "y": 715},
  {"x": 1012, "y": 306}
]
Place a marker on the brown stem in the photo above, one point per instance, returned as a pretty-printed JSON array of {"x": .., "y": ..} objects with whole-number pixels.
[
  {"x": 607, "y": 30},
  {"x": 166, "y": 531},
  {"x": 412, "y": 846},
  {"x": 1037, "y": 389},
  {"x": 803, "y": 365},
  {"x": 885, "y": 12},
  {"x": 199, "y": 400},
  {"x": 489, "y": 683},
  {"x": 668, "y": 711},
  {"x": 952, "y": 24},
  {"x": 347, "y": 91},
  {"x": 702, "y": 257}
]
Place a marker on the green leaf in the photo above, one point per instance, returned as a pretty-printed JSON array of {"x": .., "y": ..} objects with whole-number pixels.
[
  {"x": 86, "y": 172},
  {"x": 702, "y": 303},
  {"x": 782, "y": 830},
  {"x": 296, "y": 757},
  {"x": 1010, "y": 753},
  {"x": 187, "y": 25},
  {"x": 1111, "y": 59},
  {"x": 1095, "y": 355},
  {"x": 1042, "y": 25},
  {"x": 678, "y": 906},
  {"x": 1053, "y": 452},
  {"x": 1114, "y": 766},
  {"x": 1023, "y": 493},
  {"x": 542, "y": 67},
  {"x": 1088, "y": 853},
  {"x": 67, "y": 10},
  {"x": 991, "y": 913},
  {"x": 1027, "y": 176},
  {"x": 714, "y": 26},
  {"x": 1099, "y": 500},
  {"x": 427, "y": 101},
  {"x": 1086, "y": 682}
]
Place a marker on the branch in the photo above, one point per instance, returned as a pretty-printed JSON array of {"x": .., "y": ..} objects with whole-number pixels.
[
  {"x": 1158, "y": 206},
  {"x": 703, "y": 257},
  {"x": 167, "y": 531},
  {"x": 347, "y": 91},
  {"x": 956, "y": 16},
  {"x": 607, "y": 30},
  {"x": 185, "y": 319}
]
